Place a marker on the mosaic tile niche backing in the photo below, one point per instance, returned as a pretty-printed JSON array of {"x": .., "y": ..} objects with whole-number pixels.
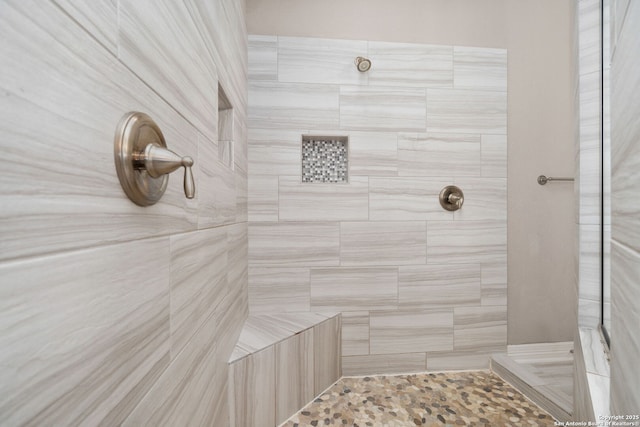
[{"x": 325, "y": 159}]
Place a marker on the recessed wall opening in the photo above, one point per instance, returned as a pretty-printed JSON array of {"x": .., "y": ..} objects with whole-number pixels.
[
  {"x": 225, "y": 129},
  {"x": 325, "y": 159}
]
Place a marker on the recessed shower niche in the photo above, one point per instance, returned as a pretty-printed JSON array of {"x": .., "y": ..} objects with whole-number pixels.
[
  {"x": 225, "y": 129},
  {"x": 325, "y": 159}
]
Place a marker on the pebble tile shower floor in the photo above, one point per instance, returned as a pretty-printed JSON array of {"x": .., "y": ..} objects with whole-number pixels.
[{"x": 477, "y": 398}]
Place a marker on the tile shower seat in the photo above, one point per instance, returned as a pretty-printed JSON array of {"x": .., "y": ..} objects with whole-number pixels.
[{"x": 280, "y": 363}]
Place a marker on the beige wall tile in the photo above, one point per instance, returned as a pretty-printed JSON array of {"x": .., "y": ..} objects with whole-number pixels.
[
  {"x": 404, "y": 332},
  {"x": 263, "y": 58},
  {"x": 198, "y": 281},
  {"x": 293, "y": 105},
  {"x": 110, "y": 332},
  {"x": 311, "y": 201},
  {"x": 464, "y": 242},
  {"x": 407, "y": 64},
  {"x": 277, "y": 290},
  {"x": 293, "y": 244},
  {"x": 294, "y": 374},
  {"x": 480, "y": 328},
  {"x": 408, "y": 199},
  {"x": 466, "y": 111},
  {"x": 253, "y": 384},
  {"x": 382, "y": 243},
  {"x": 183, "y": 395},
  {"x": 434, "y": 286},
  {"x": 326, "y": 353},
  {"x": 373, "y": 153},
  {"x": 479, "y": 68},
  {"x": 320, "y": 61},
  {"x": 383, "y": 364},
  {"x": 384, "y": 109},
  {"x": 458, "y": 360},
  {"x": 484, "y": 199},
  {"x": 156, "y": 46},
  {"x": 275, "y": 152},
  {"x": 443, "y": 155},
  {"x": 494, "y": 156},
  {"x": 263, "y": 198},
  {"x": 494, "y": 284},
  {"x": 355, "y": 333},
  {"x": 99, "y": 19},
  {"x": 354, "y": 289},
  {"x": 78, "y": 113}
]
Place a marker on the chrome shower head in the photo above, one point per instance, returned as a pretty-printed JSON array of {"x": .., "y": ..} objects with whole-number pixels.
[{"x": 363, "y": 64}]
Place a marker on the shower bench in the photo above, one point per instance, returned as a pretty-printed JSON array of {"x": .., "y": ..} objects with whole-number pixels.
[{"x": 280, "y": 363}]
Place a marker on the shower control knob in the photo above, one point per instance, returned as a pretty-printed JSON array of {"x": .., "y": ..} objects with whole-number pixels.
[
  {"x": 451, "y": 198},
  {"x": 143, "y": 161},
  {"x": 160, "y": 161}
]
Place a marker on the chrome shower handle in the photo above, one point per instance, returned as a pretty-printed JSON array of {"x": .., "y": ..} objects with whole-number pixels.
[{"x": 158, "y": 161}]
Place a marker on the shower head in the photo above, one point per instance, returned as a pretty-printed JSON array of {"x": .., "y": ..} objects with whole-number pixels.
[{"x": 363, "y": 64}]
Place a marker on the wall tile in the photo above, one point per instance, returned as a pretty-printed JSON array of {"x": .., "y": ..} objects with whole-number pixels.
[
  {"x": 294, "y": 244},
  {"x": 158, "y": 46},
  {"x": 415, "y": 65},
  {"x": 294, "y": 374},
  {"x": 479, "y": 68},
  {"x": 494, "y": 156},
  {"x": 625, "y": 294},
  {"x": 480, "y": 328},
  {"x": 263, "y": 198},
  {"x": 317, "y": 201},
  {"x": 484, "y": 199},
  {"x": 589, "y": 153},
  {"x": 79, "y": 112},
  {"x": 108, "y": 326},
  {"x": 326, "y": 354},
  {"x": 216, "y": 189},
  {"x": 198, "y": 281},
  {"x": 373, "y": 153},
  {"x": 458, "y": 360},
  {"x": 385, "y": 109},
  {"x": 464, "y": 242},
  {"x": 221, "y": 25},
  {"x": 434, "y": 286},
  {"x": 355, "y": 333},
  {"x": 354, "y": 289},
  {"x": 100, "y": 19},
  {"x": 407, "y": 198},
  {"x": 320, "y": 61},
  {"x": 494, "y": 283},
  {"x": 466, "y": 111},
  {"x": 382, "y": 243},
  {"x": 589, "y": 262},
  {"x": 383, "y": 364},
  {"x": 263, "y": 58},
  {"x": 275, "y": 152},
  {"x": 293, "y": 105},
  {"x": 183, "y": 395},
  {"x": 588, "y": 34},
  {"x": 415, "y": 331},
  {"x": 253, "y": 384},
  {"x": 277, "y": 290},
  {"x": 445, "y": 155}
]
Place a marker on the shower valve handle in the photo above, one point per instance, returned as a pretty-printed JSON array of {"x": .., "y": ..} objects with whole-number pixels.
[{"x": 158, "y": 161}]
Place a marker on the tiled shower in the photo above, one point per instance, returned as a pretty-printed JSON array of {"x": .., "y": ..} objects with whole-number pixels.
[
  {"x": 316, "y": 224},
  {"x": 418, "y": 287}
]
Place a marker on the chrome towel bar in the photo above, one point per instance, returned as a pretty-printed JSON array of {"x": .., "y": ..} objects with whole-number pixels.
[{"x": 542, "y": 180}]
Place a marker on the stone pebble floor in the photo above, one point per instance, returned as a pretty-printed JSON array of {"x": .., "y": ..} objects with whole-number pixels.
[{"x": 431, "y": 399}]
